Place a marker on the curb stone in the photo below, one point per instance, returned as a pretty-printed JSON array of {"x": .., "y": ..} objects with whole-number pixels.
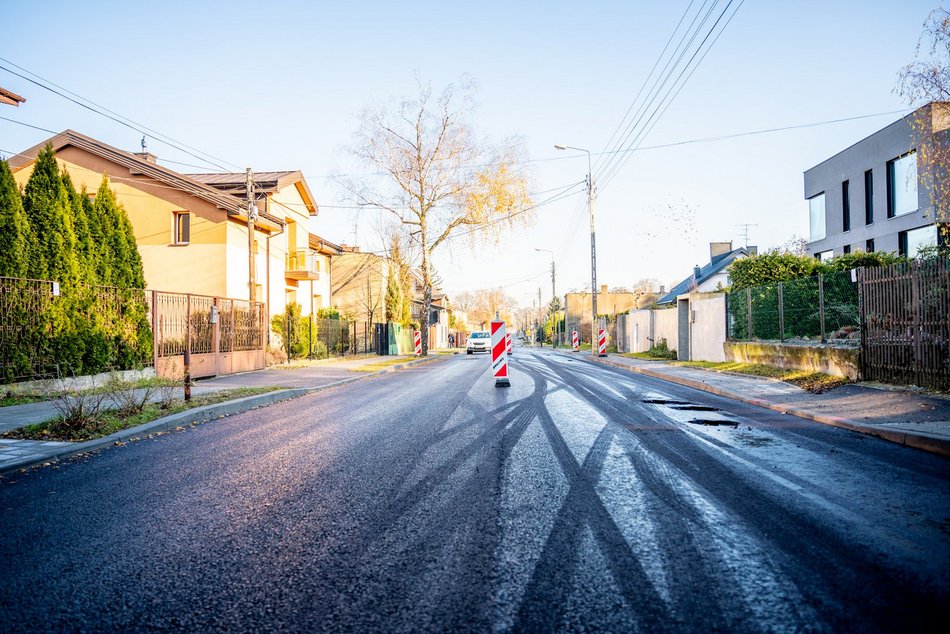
[
  {"x": 196, "y": 415},
  {"x": 921, "y": 441}
]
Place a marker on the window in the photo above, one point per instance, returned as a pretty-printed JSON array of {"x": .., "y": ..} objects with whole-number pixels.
[
  {"x": 847, "y": 249},
  {"x": 816, "y": 217},
  {"x": 825, "y": 255},
  {"x": 902, "y": 185},
  {"x": 868, "y": 197},
  {"x": 869, "y": 245},
  {"x": 909, "y": 243},
  {"x": 846, "y": 206},
  {"x": 181, "y": 231}
]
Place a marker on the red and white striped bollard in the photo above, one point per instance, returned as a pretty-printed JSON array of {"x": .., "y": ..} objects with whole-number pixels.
[
  {"x": 499, "y": 360},
  {"x": 417, "y": 342}
]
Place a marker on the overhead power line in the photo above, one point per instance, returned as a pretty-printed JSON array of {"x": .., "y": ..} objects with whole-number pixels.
[
  {"x": 653, "y": 109},
  {"x": 90, "y": 105}
]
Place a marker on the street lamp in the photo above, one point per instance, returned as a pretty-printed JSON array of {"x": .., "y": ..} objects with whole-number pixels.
[
  {"x": 593, "y": 242},
  {"x": 553, "y": 293}
]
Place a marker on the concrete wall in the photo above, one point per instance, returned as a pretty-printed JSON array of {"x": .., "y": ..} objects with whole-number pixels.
[
  {"x": 834, "y": 360},
  {"x": 666, "y": 326},
  {"x": 708, "y": 327},
  {"x": 702, "y": 322}
]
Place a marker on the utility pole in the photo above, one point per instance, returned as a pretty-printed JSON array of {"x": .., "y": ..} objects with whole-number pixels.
[
  {"x": 251, "y": 217},
  {"x": 554, "y": 336},
  {"x": 540, "y": 324},
  {"x": 593, "y": 242}
]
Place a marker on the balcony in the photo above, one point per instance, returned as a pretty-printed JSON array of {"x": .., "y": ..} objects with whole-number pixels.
[{"x": 302, "y": 265}]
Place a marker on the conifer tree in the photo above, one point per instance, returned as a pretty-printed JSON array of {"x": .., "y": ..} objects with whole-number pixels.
[
  {"x": 120, "y": 263},
  {"x": 14, "y": 228},
  {"x": 79, "y": 205},
  {"x": 393, "y": 296},
  {"x": 46, "y": 203}
]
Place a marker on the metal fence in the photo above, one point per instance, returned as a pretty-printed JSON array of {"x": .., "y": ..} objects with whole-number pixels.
[
  {"x": 48, "y": 330},
  {"x": 208, "y": 324},
  {"x": 906, "y": 323},
  {"x": 315, "y": 338},
  {"x": 820, "y": 307}
]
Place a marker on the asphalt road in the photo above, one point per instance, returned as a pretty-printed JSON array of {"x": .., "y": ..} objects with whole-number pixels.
[{"x": 582, "y": 498}]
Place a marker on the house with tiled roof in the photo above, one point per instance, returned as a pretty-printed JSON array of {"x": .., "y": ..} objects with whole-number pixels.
[
  {"x": 192, "y": 229},
  {"x": 710, "y": 277}
]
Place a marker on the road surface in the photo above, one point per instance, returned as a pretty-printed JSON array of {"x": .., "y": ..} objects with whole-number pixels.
[{"x": 580, "y": 498}]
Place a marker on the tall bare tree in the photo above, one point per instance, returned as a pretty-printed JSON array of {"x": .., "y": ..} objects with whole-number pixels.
[
  {"x": 926, "y": 80},
  {"x": 440, "y": 181}
]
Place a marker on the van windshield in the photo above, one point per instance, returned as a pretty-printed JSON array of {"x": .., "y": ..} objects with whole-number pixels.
[{"x": 480, "y": 335}]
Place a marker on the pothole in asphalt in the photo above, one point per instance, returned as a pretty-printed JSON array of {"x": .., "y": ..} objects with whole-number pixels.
[
  {"x": 754, "y": 441},
  {"x": 663, "y": 401},
  {"x": 695, "y": 408},
  {"x": 713, "y": 422}
]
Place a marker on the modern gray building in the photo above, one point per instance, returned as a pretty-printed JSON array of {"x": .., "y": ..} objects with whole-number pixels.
[{"x": 872, "y": 197}]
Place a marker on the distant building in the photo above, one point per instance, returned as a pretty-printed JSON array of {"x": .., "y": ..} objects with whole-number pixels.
[
  {"x": 870, "y": 196},
  {"x": 711, "y": 276},
  {"x": 578, "y": 306}
]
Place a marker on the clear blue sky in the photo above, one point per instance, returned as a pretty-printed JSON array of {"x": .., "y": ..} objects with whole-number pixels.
[{"x": 279, "y": 86}]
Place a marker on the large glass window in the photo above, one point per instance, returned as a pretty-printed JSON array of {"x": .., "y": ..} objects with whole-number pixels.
[
  {"x": 868, "y": 197},
  {"x": 902, "y": 185},
  {"x": 816, "y": 217},
  {"x": 846, "y": 206},
  {"x": 825, "y": 255},
  {"x": 911, "y": 242}
]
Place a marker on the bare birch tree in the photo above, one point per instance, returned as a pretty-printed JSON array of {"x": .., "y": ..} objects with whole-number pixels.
[
  {"x": 440, "y": 181},
  {"x": 927, "y": 80}
]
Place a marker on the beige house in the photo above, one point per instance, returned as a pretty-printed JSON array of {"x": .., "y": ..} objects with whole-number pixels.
[
  {"x": 359, "y": 284},
  {"x": 192, "y": 230},
  {"x": 579, "y": 305},
  {"x": 288, "y": 270}
]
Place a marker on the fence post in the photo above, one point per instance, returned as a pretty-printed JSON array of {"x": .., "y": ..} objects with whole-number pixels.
[
  {"x": 187, "y": 355},
  {"x": 155, "y": 337},
  {"x": 748, "y": 299},
  {"x": 781, "y": 313},
  {"x": 821, "y": 305},
  {"x": 862, "y": 324}
]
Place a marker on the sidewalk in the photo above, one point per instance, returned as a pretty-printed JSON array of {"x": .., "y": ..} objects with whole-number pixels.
[
  {"x": 296, "y": 381},
  {"x": 898, "y": 415}
]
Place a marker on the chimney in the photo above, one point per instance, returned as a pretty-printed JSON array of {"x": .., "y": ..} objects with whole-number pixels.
[
  {"x": 718, "y": 249},
  {"x": 662, "y": 289},
  {"x": 603, "y": 289},
  {"x": 147, "y": 156},
  {"x": 696, "y": 271}
]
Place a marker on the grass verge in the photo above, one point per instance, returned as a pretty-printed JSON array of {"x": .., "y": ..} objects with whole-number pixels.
[
  {"x": 815, "y": 382},
  {"x": 388, "y": 363},
  {"x": 9, "y": 399},
  {"x": 113, "y": 421}
]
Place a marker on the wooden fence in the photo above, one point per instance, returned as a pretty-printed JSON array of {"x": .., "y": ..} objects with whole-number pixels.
[{"x": 905, "y": 323}]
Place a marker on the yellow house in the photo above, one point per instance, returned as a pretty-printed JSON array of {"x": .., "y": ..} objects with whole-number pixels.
[
  {"x": 192, "y": 230},
  {"x": 359, "y": 284}
]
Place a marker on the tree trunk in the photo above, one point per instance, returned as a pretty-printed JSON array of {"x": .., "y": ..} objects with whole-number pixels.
[{"x": 427, "y": 299}]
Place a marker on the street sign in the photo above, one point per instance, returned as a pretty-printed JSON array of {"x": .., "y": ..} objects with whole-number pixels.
[
  {"x": 417, "y": 341},
  {"x": 602, "y": 342},
  {"x": 499, "y": 360}
]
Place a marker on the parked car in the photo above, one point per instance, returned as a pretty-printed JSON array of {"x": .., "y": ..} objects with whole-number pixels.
[{"x": 478, "y": 342}]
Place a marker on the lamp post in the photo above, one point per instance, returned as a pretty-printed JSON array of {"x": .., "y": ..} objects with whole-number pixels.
[
  {"x": 553, "y": 294},
  {"x": 593, "y": 243}
]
